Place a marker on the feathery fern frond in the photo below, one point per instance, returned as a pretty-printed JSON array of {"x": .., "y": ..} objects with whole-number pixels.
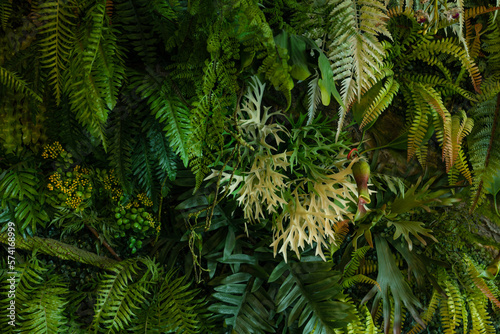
[
  {"x": 175, "y": 307},
  {"x": 121, "y": 293},
  {"x": 354, "y": 27},
  {"x": 314, "y": 98},
  {"x": 169, "y": 110},
  {"x": 58, "y": 21},
  {"x": 353, "y": 265},
  {"x": 381, "y": 102},
  {"x": 428, "y": 314},
  {"x": 134, "y": 20},
  {"x": 5, "y": 12},
  {"x": 144, "y": 169},
  {"x": 121, "y": 143},
  {"x": 426, "y": 51},
  {"x": 12, "y": 81},
  {"x": 40, "y": 300},
  {"x": 451, "y": 308},
  {"x": 19, "y": 184},
  {"x": 484, "y": 147}
]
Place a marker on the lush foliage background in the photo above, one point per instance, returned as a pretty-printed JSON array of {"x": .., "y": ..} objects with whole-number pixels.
[{"x": 188, "y": 166}]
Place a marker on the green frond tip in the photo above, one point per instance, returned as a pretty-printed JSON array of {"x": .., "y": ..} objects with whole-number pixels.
[
  {"x": 57, "y": 40},
  {"x": 12, "y": 81}
]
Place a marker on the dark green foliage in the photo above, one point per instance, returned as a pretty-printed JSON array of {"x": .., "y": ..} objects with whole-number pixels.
[{"x": 159, "y": 158}]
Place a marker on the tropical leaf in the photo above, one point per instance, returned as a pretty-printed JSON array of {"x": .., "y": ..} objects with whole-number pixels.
[
  {"x": 313, "y": 293},
  {"x": 57, "y": 39}
]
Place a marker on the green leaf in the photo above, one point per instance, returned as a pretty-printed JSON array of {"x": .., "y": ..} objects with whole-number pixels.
[{"x": 327, "y": 81}]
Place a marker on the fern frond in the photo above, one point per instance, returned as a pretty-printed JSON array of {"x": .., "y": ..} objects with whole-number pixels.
[
  {"x": 40, "y": 301},
  {"x": 144, "y": 169},
  {"x": 353, "y": 265},
  {"x": 450, "y": 308},
  {"x": 428, "y": 314},
  {"x": 359, "y": 278},
  {"x": 480, "y": 283},
  {"x": 175, "y": 307},
  {"x": 443, "y": 131},
  {"x": 44, "y": 311},
  {"x": 484, "y": 147},
  {"x": 426, "y": 52},
  {"x": 381, "y": 102},
  {"x": 120, "y": 294},
  {"x": 121, "y": 143},
  {"x": 170, "y": 111},
  {"x": 12, "y": 81},
  {"x": 314, "y": 98},
  {"x": 134, "y": 20},
  {"x": 58, "y": 21},
  {"x": 5, "y": 12},
  {"x": 478, "y": 10},
  {"x": 19, "y": 184}
]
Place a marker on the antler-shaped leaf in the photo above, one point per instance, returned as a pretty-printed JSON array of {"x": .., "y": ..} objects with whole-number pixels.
[{"x": 391, "y": 280}]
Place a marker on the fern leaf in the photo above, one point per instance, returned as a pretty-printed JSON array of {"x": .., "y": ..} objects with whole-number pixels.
[
  {"x": 381, "y": 102},
  {"x": 419, "y": 126},
  {"x": 143, "y": 167},
  {"x": 484, "y": 143},
  {"x": 170, "y": 111},
  {"x": 57, "y": 40},
  {"x": 120, "y": 294},
  {"x": 314, "y": 98},
  {"x": 43, "y": 300},
  {"x": 353, "y": 265},
  {"x": 19, "y": 184},
  {"x": 121, "y": 144},
  {"x": 359, "y": 278},
  {"x": 5, "y": 12},
  {"x": 12, "y": 81},
  {"x": 134, "y": 21},
  {"x": 480, "y": 283},
  {"x": 175, "y": 307},
  {"x": 428, "y": 314}
]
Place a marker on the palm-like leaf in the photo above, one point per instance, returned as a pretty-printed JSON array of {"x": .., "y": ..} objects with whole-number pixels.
[
  {"x": 248, "y": 305},
  {"x": 312, "y": 293},
  {"x": 58, "y": 20}
]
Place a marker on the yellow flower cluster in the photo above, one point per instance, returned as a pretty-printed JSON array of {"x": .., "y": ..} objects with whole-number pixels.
[
  {"x": 52, "y": 151},
  {"x": 113, "y": 186},
  {"x": 73, "y": 187},
  {"x": 145, "y": 200}
]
